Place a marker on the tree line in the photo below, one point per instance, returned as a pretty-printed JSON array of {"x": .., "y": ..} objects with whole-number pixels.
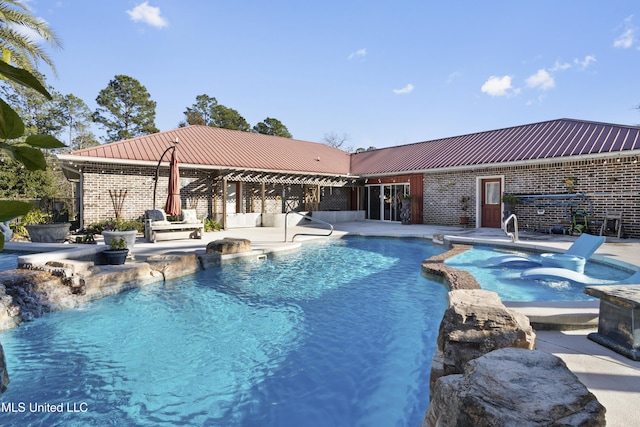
[
  {"x": 34, "y": 116},
  {"x": 125, "y": 110}
]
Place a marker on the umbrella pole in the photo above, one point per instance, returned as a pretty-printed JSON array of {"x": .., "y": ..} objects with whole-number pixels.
[{"x": 155, "y": 185}]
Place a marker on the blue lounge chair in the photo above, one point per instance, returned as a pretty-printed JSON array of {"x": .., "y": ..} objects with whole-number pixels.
[
  {"x": 553, "y": 273},
  {"x": 584, "y": 247}
]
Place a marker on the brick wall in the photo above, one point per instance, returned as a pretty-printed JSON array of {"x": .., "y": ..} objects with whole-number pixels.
[
  {"x": 199, "y": 190},
  {"x": 610, "y": 185}
]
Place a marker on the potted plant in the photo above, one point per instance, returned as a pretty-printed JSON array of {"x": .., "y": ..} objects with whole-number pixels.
[
  {"x": 510, "y": 201},
  {"x": 464, "y": 206},
  {"x": 42, "y": 230},
  {"x": 119, "y": 229},
  {"x": 405, "y": 209},
  {"x": 117, "y": 252}
]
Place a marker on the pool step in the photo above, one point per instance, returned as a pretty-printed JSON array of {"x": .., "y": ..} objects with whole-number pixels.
[{"x": 559, "y": 315}]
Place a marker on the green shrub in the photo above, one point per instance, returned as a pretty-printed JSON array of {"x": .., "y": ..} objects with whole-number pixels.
[
  {"x": 118, "y": 243},
  {"x": 119, "y": 225},
  {"x": 211, "y": 225}
]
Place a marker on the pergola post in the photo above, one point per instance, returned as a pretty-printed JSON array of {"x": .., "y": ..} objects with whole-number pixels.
[{"x": 224, "y": 203}]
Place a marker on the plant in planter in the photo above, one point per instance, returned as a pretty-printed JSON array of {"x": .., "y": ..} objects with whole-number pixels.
[
  {"x": 510, "y": 201},
  {"x": 405, "y": 209},
  {"x": 26, "y": 151},
  {"x": 41, "y": 230},
  {"x": 464, "y": 206},
  {"x": 117, "y": 252},
  {"x": 127, "y": 230}
]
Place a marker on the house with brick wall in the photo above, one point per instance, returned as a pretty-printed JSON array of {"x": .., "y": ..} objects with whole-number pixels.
[{"x": 558, "y": 171}]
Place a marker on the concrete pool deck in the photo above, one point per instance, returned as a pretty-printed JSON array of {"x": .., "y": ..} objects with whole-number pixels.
[{"x": 612, "y": 378}]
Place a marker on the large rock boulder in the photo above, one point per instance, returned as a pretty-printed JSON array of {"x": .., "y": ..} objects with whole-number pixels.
[
  {"x": 475, "y": 323},
  {"x": 174, "y": 265},
  {"x": 229, "y": 245},
  {"x": 4, "y": 372},
  {"x": 29, "y": 294},
  {"x": 513, "y": 387}
]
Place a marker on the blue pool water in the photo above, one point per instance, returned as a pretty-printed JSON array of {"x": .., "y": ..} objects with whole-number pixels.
[
  {"x": 8, "y": 260},
  {"x": 507, "y": 283},
  {"x": 340, "y": 334}
]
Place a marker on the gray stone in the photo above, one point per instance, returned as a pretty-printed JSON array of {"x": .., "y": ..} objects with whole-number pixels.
[
  {"x": 4, "y": 372},
  {"x": 210, "y": 260},
  {"x": 229, "y": 245},
  {"x": 476, "y": 323},
  {"x": 105, "y": 280},
  {"x": 173, "y": 265},
  {"x": 29, "y": 294},
  {"x": 513, "y": 387}
]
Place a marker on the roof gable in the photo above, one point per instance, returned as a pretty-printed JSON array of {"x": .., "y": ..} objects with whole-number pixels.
[{"x": 207, "y": 146}]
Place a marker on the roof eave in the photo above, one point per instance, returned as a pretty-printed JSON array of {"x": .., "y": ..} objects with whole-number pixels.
[
  {"x": 127, "y": 162},
  {"x": 583, "y": 157}
]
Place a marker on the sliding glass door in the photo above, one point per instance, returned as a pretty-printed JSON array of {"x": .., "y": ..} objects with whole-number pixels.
[{"x": 384, "y": 201}]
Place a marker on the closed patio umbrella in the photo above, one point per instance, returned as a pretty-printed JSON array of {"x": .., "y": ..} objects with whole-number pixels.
[{"x": 173, "y": 200}]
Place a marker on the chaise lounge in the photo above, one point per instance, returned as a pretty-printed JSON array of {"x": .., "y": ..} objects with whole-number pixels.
[
  {"x": 573, "y": 258},
  {"x": 157, "y": 227}
]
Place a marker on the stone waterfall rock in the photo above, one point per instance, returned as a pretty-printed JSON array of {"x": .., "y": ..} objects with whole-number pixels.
[
  {"x": 28, "y": 294},
  {"x": 513, "y": 387},
  {"x": 475, "y": 323},
  {"x": 229, "y": 245}
]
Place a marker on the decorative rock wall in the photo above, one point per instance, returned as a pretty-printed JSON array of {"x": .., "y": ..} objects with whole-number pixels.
[
  {"x": 513, "y": 387},
  {"x": 485, "y": 372},
  {"x": 476, "y": 323}
]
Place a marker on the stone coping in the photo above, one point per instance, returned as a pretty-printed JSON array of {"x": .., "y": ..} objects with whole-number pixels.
[
  {"x": 627, "y": 296},
  {"x": 72, "y": 252}
]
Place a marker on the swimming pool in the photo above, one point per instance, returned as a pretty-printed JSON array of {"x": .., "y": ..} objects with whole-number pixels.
[
  {"x": 511, "y": 287},
  {"x": 340, "y": 334},
  {"x": 8, "y": 260}
]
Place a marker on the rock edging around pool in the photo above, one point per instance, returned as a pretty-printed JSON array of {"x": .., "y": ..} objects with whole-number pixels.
[
  {"x": 49, "y": 282},
  {"x": 485, "y": 352},
  {"x": 486, "y": 371},
  {"x": 435, "y": 269}
]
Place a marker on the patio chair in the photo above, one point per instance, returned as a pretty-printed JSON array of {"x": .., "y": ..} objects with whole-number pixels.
[{"x": 584, "y": 247}]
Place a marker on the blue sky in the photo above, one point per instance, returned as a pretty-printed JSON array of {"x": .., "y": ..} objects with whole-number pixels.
[{"x": 382, "y": 73}]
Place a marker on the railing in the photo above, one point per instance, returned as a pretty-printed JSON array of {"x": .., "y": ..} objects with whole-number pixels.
[
  {"x": 514, "y": 235},
  {"x": 305, "y": 234}
]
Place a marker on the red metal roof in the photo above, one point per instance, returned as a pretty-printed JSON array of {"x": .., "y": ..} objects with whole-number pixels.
[
  {"x": 537, "y": 141},
  {"x": 209, "y": 146},
  {"x": 205, "y": 145}
]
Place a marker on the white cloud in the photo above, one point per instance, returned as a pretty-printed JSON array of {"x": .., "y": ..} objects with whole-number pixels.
[
  {"x": 407, "y": 89},
  {"x": 499, "y": 86},
  {"x": 148, "y": 14},
  {"x": 560, "y": 66},
  {"x": 584, "y": 63},
  {"x": 625, "y": 41},
  {"x": 453, "y": 76},
  {"x": 542, "y": 80},
  {"x": 628, "y": 36},
  {"x": 360, "y": 52}
]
